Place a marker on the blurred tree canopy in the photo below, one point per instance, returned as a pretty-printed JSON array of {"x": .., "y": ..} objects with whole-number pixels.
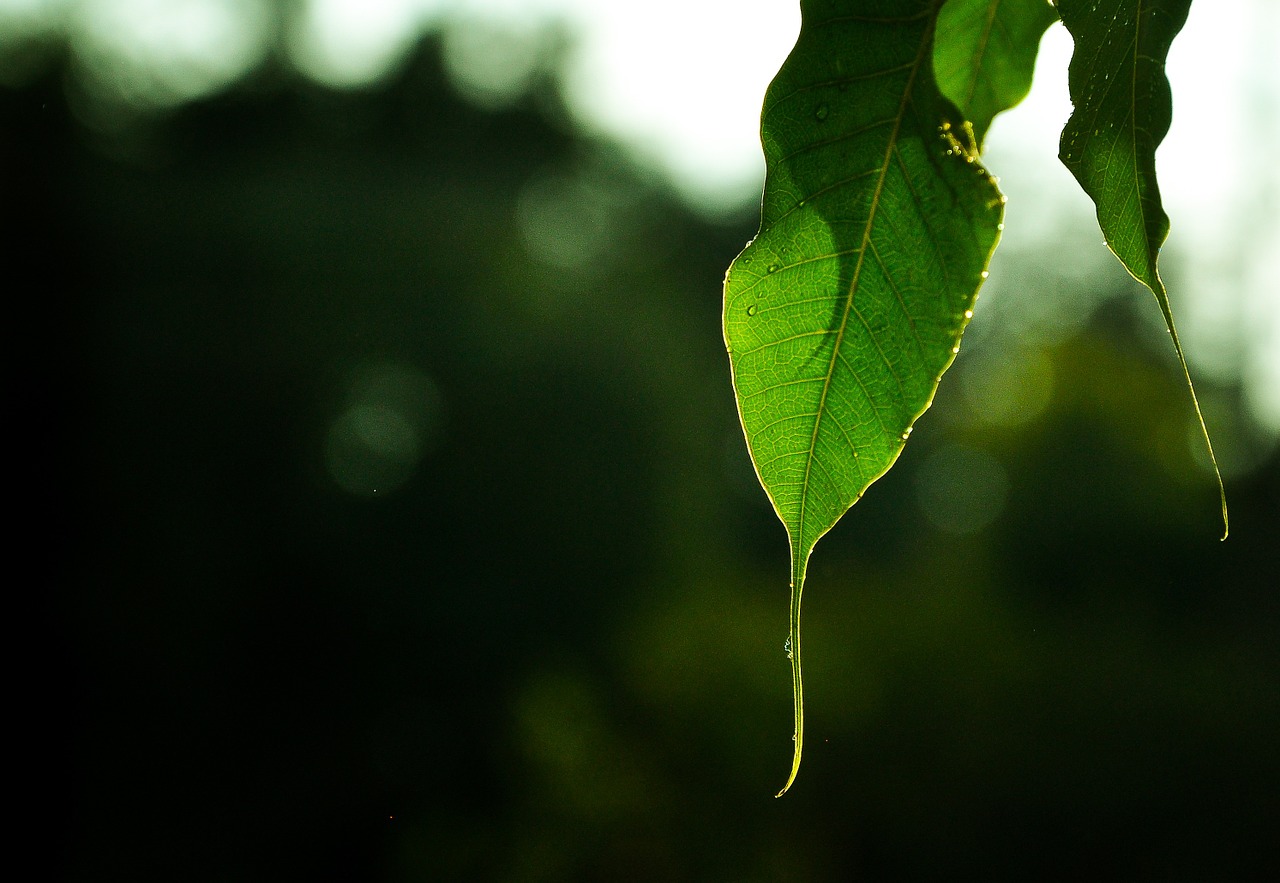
[{"x": 402, "y": 530}]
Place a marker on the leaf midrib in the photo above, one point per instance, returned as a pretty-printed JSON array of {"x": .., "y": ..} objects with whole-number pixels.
[{"x": 921, "y": 53}]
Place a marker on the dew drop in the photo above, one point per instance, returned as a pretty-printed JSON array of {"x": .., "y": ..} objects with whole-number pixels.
[
  {"x": 751, "y": 310},
  {"x": 773, "y": 268},
  {"x": 954, "y": 349},
  {"x": 821, "y": 112},
  {"x": 985, "y": 274},
  {"x": 968, "y": 314}
]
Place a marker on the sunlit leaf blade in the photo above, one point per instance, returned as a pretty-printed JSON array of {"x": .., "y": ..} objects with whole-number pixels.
[
  {"x": 1122, "y": 112},
  {"x": 985, "y": 54},
  {"x": 876, "y": 228}
]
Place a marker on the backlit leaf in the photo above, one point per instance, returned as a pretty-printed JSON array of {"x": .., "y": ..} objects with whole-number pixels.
[
  {"x": 1122, "y": 113},
  {"x": 876, "y": 228}
]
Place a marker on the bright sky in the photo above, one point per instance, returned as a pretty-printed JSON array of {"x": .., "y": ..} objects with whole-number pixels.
[{"x": 681, "y": 82}]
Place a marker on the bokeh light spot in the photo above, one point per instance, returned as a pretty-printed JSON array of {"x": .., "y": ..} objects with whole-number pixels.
[
  {"x": 566, "y": 221},
  {"x": 161, "y": 53},
  {"x": 392, "y": 417},
  {"x": 961, "y": 490},
  {"x": 1009, "y": 388},
  {"x": 353, "y": 43},
  {"x": 492, "y": 63}
]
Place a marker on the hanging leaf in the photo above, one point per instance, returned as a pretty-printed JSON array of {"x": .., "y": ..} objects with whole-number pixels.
[
  {"x": 986, "y": 53},
  {"x": 876, "y": 228},
  {"x": 1122, "y": 113}
]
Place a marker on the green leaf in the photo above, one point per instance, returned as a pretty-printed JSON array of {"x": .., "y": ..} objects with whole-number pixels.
[
  {"x": 1122, "y": 113},
  {"x": 986, "y": 53},
  {"x": 876, "y": 228}
]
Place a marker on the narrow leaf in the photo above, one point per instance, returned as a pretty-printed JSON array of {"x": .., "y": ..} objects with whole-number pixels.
[
  {"x": 1122, "y": 112},
  {"x": 986, "y": 53},
  {"x": 876, "y": 228}
]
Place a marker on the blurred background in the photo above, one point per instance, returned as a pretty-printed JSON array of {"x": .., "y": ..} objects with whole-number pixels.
[{"x": 401, "y": 523}]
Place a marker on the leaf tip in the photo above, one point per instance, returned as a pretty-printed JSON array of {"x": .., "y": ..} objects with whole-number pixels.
[
  {"x": 799, "y": 559},
  {"x": 795, "y": 767}
]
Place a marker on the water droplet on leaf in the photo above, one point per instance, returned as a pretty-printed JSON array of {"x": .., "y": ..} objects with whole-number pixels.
[{"x": 821, "y": 112}]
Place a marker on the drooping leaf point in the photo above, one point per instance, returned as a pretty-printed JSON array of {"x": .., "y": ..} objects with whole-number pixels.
[
  {"x": 1122, "y": 112},
  {"x": 876, "y": 228},
  {"x": 985, "y": 54}
]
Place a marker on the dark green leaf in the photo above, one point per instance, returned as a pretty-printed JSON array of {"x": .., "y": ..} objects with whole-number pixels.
[
  {"x": 877, "y": 225},
  {"x": 1122, "y": 113},
  {"x": 986, "y": 53}
]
